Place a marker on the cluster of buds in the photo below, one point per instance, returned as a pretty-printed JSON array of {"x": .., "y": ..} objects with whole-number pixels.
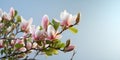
[{"x": 44, "y": 38}]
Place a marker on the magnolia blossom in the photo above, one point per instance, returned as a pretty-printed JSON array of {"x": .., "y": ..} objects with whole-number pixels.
[
  {"x": 37, "y": 34},
  {"x": 29, "y": 45},
  {"x": 22, "y": 49},
  {"x": 52, "y": 33},
  {"x": 18, "y": 41},
  {"x": 45, "y": 22},
  {"x": 1, "y": 25},
  {"x": 12, "y": 12},
  {"x": 1, "y": 43},
  {"x": 69, "y": 48},
  {"x": 25, "y": 25},
  {"x": 6, "y": 16},
  {"x": 67, "y": 19},
  {"x": 1, "y": 14}
]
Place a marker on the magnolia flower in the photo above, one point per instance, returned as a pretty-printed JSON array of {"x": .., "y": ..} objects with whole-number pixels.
[
  {"x": 22, "y": 49},
  {"x": 1, "y": 43},
  {"x": 69, "y": 48},
  {"x": 25, "y": 25},
  {"x": 1, "y": 25},
  {"x": 29, "y": 45},
  {"x": 6, "y": 16},
  {"x": 45, "y": 22},
  {"x": 52, "y": 33},
  {"x": 12, "y": 12},
  {"x": 67, "y": 19},
  {"x": 37, "y": 34},
  {"x": 18, "y": 41},
  {"x": 1, "y": 14}
]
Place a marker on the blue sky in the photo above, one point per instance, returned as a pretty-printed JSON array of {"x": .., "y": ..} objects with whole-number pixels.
[{"x": 99, "y": 30}]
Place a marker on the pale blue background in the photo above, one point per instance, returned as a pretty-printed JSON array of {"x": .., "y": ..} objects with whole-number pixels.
[{"x": 99, "y": 30}]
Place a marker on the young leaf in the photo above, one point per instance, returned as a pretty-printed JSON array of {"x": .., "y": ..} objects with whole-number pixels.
[
  {"x": 39, "y": 43},
  {"x": 62, "y": 45},
  {"x": 55, "y": 24},
  {"x": 73, "y": 30},
  {"x": 18, "y": 19},
  {"x": 67, "y": 43},
  {"x": 15, "y": 13},
  {"x": 18, "y": 45},
  {"x": 55, "y": 51}
]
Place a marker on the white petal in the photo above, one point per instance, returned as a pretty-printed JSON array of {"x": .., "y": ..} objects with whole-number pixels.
[
  {"x": 1, "y": 13},
  {"x": 51, "y": 30},
  {"x": 64, "y": 15}
]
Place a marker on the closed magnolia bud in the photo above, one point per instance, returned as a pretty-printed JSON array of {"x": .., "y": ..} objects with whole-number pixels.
[
  {"x": 69, "y": 48},
  {"x": 1, "y": 43},
  {"x": 45, "y": 22},
  {"x": 12, "y": 12},
  {"x": 29, "y": 45}
]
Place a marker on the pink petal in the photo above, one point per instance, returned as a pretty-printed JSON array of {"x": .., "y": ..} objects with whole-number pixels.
[{"x": 45, "y": 22}]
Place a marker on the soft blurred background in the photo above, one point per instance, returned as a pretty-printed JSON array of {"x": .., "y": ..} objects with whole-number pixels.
[{"x": 99, "y": 30}]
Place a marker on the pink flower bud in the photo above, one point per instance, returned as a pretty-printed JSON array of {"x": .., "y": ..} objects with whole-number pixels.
[
  {"x": 29, "y": 45},
  {"x": 69, "y": 48},
  {"x": 1, "y": 43},
  {"x": 12, "y": 12},
  {"x": 45, "y": 22}
]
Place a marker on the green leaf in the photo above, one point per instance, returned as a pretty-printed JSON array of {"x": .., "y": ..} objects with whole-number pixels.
[
  {"x": 73, "y": 30},
  {"x": 49, "y": 52},
  {"x": 62, "y": 45},
  {"x": 55, "y": 24},
  {"x": 67, "y": 43},
  {"x": 15, "y": 13},
  {"x": 48, "y": 42},
  {"x": 39, "y": 43},
  {"x": 18, "y": 19},
  {"x": 55, "y": 52},
  {"x": 18, "y": 45},
  {"x": 2, "y": 52}
]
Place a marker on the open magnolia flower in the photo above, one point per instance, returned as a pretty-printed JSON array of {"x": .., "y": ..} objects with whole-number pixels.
[
  {"x": 18, "y": 37},
  {"x": 25, "y": 25},
  {"x": 67, "y": 19},
  {"x": 37, "y": 34},
  {"x": 52, "y": 33}
]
